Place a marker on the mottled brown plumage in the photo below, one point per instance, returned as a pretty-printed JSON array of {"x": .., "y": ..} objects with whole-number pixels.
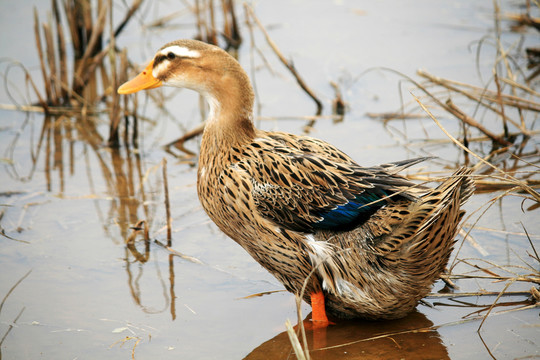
[{"x": 369, "y": 239}]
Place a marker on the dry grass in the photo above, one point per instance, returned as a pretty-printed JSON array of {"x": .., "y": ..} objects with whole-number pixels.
[
  {"x": 84, "y": 85},
  {"x": 495, "y": 123}
]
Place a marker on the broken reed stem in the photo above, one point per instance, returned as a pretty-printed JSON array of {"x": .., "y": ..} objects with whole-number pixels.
[
  {"x": 530, "y": 242},
  {"x": 502, "y": 268},
  {"x": 13, "y": 288},
  {"x": 178, "y": 253},
  {"x": 198, "y": 19},
  {"x": 490, "y": 203},
  {"x": 73, "y": 12},
  {"x": 475, "y": 294},
  {"x": 14, "y": 322},
  {"x": 12, "y": 325},
  {"x": 92, "y": 64},
  {"x": 298, "y": 351},
  {"x": 512, "y": 179},
  {"x": 493, "y": 305},
  {"x": 227, "y": 33},
  {"x": 501, "y": 54},
  {"x": 523, "y": 278},
  {"x": 499, "y": 101},
  {"x": 470, "y": 121},
  {"x": 179, "y": 143},
  {"x": 134, "y": 7},
  {"x": 481, "y": 95},
  {"x": 93, "y": 43},
  {"x": 115, "y": 113},
  {"x": 522, "y": 87},
  {"x": 46, "y": 79},
  {"x": 134, "y": 346},
  {"x": 86, "y": 33},
  {"x": 230, "y": 25},
  {"x": 288, "y": 64},
  {"x": 301, "y": 328},
  {"x": 459, "y": 114},
  {"x": 167, "y": 203},
  {"x": 211, "y": 32},
  {"x": 56, "y": 110},
  {"x": 298, "y": 298},
  {"x": 482, "y": 184},
  {"x": 61, "y": 46},
  {"x": 51, "y": 62}
]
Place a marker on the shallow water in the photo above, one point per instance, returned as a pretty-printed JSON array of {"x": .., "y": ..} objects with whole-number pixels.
[{"x": 73, "y": 289}]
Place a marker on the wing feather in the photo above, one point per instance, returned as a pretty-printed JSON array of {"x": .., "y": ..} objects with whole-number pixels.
[{"x": 304, "y": 184}]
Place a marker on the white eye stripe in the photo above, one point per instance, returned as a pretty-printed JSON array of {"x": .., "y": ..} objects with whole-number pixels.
[
  {"x": 177, "y": 50},
  {"x": 158, "y": 69},
  {"x": 180, "y": 51}
]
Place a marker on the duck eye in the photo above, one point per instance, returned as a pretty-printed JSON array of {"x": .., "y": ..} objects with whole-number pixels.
[{"x": 171, "y": 56}]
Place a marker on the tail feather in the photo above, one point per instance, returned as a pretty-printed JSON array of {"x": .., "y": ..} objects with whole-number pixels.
[
  {"x": 467, "y": 186},
  {"x": 460, "y": 184}
]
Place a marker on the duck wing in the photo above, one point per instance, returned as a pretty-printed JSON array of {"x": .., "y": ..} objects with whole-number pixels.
[{"x": 305, "y": 184}]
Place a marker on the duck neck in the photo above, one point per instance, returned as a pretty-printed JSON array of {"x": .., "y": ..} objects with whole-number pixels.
[{"x": 229, "y": 121}]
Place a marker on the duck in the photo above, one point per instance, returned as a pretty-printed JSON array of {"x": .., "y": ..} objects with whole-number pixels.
[{"x": 352, "y": 241}]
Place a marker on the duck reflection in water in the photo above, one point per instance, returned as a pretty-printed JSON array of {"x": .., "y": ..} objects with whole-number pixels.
[{"x": 411, "y": 337}]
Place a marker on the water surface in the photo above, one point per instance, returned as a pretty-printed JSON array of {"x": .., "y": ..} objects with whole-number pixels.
[{"x": 69, "y": 201}]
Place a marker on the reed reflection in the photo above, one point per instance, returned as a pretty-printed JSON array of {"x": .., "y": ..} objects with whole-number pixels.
[{"x": 119, "y": 184}]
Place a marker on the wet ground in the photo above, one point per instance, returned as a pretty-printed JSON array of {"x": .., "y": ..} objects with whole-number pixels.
[{"x": 71, "y": 288}]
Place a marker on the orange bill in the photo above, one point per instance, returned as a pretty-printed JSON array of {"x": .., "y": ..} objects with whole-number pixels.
[{"x": 145, "y": 80}]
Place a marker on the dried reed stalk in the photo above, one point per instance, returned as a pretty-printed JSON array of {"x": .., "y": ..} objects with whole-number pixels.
[
  {"x": 293, "y": 338},
  {"x": 167, "y": 202},
  {"x": 510, "y": 178},
  {"x": 39, "y": 48},
  {"x": 90, "y": 53},
  {"x": 92, "y": 45},
  {"x": 285, "y": 62},
  {"x": 112, "y": 84},
  {"x": 179, "y": 143},
  {"x": 129, "y": 14},
  {"x": 61, "y": 46},
  {"x": 211, "y": 34},
  {"x": 51, "y": 62},
  {"x": 231, "y": 31},
  {"x": 457, "y": 112},
  {"x": 177, "y": 253},
  {"x": 485, "y": 96}
]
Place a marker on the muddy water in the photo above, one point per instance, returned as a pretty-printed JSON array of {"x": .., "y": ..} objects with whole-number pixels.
[{"x": 73, "y": 289}]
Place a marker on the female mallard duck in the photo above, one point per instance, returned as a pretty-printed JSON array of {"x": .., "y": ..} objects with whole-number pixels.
[{"x": 366, "y": 241}]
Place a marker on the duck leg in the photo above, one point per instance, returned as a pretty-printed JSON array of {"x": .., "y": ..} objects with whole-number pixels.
[{"x": 318, "y": 311}]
